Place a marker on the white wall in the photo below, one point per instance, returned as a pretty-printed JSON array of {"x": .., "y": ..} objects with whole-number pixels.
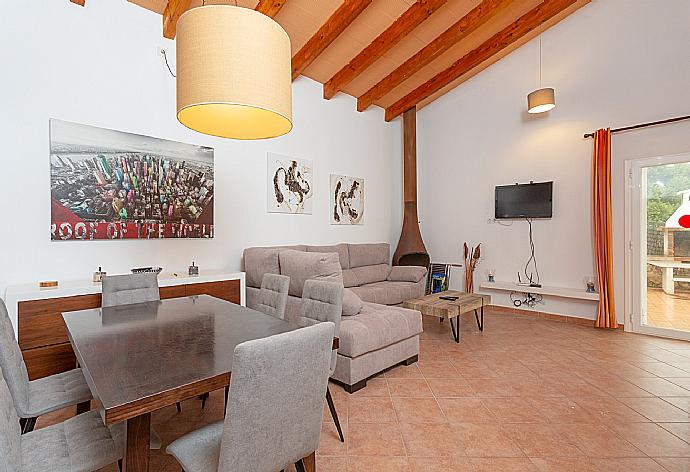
[
  {"x": 98, "y": 65},
  {"x": 613, "y": 63}
]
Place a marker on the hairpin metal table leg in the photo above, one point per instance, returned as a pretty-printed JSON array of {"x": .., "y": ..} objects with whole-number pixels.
[
  {"x": 455, "y": 328},
  {"x": 480, "y": 324}
]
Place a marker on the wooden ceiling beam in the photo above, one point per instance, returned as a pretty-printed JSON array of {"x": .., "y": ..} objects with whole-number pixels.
[
  {"x": 173, "y": 10},
  {"x": 270, "y": 7},
  {"x": 504, "y": 38},
  {"x": 79, "y": 2},
  {"x": 401, "y": 27},
  {"x": 462, "y": 28},
  {"x": 346, "y": 13}
]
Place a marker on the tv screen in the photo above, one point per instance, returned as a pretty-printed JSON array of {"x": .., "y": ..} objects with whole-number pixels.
[{"x": 533, "y": 200}]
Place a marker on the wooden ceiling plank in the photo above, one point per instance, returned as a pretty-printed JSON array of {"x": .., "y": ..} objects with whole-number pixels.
[
  {"x": 173, "y": 10},
  {"x": 504, "y": 38},
  {"x": 270, "y": 7},
  {"x": 462, "y": 28},
  {"x": 399, "y": 29},
  {"x": 346, "y": 13}
]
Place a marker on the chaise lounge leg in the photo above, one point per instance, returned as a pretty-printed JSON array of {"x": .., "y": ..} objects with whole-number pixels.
[
  {"x": 83, "y": 407},
  {"x": 334, "y": 414},
  {"x": 410, "y": 360},
  {"x": 27, "y": 424},
  {"x": 299, "y": 465},
  {"x": 355, "y": 387}
]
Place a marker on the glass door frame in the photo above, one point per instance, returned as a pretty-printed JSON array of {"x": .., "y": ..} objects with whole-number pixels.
[{"x": 635, "y": 244}]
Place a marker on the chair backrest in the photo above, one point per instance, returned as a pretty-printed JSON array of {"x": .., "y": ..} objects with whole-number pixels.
[
  {"x": 273, "y": 295},
  {"x": 275, "y": 407},
  {"x": 12, "y": 363},
  {"x": 322, "y": 301},
  {"x": 10, "y": 432},
  {"x": 128, "y": 289}
]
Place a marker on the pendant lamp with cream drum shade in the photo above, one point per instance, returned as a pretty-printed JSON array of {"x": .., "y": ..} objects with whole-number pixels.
[
  {"x": 542, "y": 99},
  {"x": 233, "y": 73}
]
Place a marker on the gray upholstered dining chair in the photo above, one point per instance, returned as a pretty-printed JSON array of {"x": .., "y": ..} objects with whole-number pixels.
[
  {"x": 33, "y": 398},
  {"x": 273, "y": 295},
  {"x": 117, "y": 290},
  {"x": 276, "y": 406},
  {"x": 130, "y": 288},
  {"x": 323, "y": 301},
  {"x": 80, "y": 444}
]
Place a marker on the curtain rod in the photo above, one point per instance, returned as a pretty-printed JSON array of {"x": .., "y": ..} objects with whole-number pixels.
[{"x": 644, "y": 125}]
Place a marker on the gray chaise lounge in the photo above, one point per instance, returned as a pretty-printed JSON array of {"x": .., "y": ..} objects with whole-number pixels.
[{"x": 376, "y": 338}]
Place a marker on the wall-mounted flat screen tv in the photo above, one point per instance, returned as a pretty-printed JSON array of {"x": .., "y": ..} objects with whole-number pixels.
[{"x": 533, "y": 200}]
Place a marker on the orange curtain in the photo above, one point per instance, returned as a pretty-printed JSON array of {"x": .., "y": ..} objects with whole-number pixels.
[{"x": 601, "y": 216}]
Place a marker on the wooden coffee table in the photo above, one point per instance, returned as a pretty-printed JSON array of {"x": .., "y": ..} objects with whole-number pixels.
[{"x": 433, "y": 305}]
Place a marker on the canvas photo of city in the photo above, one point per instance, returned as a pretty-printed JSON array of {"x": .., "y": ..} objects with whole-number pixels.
[{"x": 111, "y": 185}]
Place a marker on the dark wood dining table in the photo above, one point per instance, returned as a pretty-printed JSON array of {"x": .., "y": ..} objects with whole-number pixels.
[{"x": 142, "y": 357}]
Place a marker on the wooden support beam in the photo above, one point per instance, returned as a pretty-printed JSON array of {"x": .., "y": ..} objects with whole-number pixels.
[
  {"x": 346, "y": 13},
  {"x": 270, "y": 7},
  {"x": 79, "y": 2},
  {"x": 409, "y": 20},
  {"x": 504, "y": 38},
  {"x": 173, "y": 10},
  {"x": 476, "y": 17}
]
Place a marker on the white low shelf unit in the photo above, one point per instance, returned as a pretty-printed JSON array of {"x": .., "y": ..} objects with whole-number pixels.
[{"x": 562, "y": 292}]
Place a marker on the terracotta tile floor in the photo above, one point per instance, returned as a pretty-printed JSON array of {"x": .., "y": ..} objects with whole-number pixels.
[
  {"x": 526, "y": 395},
  {"x": 668, "y": 311}
]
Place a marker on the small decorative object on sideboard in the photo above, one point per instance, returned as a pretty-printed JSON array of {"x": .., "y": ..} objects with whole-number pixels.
[
  {"x": 193, "y": 270},
  {"x": 491, "y": 273},
  {"x": 471, "y": 256},
  {"x": 48, "y": 284},
  {"x": 589, "y": 282},
  {"x": 98, "y": 276},
  {"x": 145, "y": 270}
]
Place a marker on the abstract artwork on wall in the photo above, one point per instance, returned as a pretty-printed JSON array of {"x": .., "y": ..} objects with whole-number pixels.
[
  {"x": 347, "y": 200},
  {"x": 107, "y": 184},
  {"x": 289, "y": 185}
]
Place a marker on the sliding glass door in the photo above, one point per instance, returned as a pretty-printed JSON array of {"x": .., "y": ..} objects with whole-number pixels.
[{"x": 658, "y": 252}]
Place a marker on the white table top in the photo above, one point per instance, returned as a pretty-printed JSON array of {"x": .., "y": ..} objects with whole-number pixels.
[
  {"x": 670, "y": 264},
  {"x": 69, "y": 288}
]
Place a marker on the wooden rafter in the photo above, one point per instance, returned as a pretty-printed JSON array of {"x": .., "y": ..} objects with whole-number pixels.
[
  {"x": 270, "y": 7},
  {"x": 173, "y": 10},
  {"x": 409, "y": 20},
  {"x": 346, "y": 13},
  {"x": 504, "y": 38},
  {"x": 462, "y": 28},
  {"x": 79, "y": 2}
]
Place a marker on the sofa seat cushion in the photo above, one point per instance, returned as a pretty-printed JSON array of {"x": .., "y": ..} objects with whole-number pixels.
[
  {"x": 349, "y": 278},
  {"x": 387, "y": 293},
  {"x": 407, "y": 274},
  {"x": 376, "y": 327}
]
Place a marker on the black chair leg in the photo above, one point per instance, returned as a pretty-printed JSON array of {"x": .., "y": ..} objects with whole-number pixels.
[
  {"x": 119, "y": 465},
  {"x": 203, "y": 399},
  {"x": 27, "y": 424},
  {"x": 299, "y": 465},
  {"x": 334, "y": 414},
  {"x": 179, "y": 407},
  {"x": 227, "y": 392}
]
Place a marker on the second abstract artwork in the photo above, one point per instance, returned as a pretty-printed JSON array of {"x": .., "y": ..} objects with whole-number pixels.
[{"x": 347, "y": 200}]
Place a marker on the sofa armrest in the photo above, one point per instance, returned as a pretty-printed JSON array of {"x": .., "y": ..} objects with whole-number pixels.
[{"x": 407, "y": 274}]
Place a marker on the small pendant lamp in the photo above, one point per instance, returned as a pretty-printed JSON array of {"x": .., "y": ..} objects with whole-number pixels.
[
  {"x": 542, "y": 99},
  {"x": 233, "y": 73}
]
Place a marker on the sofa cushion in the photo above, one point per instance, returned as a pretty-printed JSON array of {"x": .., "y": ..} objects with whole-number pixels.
[
  {"x": 349, "y": 278},
  {"x": 340, "y": 249},
  {"x": 407, "y": 274},
  {"x": 389, "y": 293},
  {"x": 303, "y": 266},
  {"x": 369, "y": 254},
  {"x": 352, "y": 304},
  {"x": 263, "y": 260},
  {"x": 373, "y": 273},
  {"x": 376, "y": 327}
]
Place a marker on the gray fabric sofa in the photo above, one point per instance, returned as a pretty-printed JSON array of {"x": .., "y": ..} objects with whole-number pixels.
[{"x": 376, "y": 338}]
